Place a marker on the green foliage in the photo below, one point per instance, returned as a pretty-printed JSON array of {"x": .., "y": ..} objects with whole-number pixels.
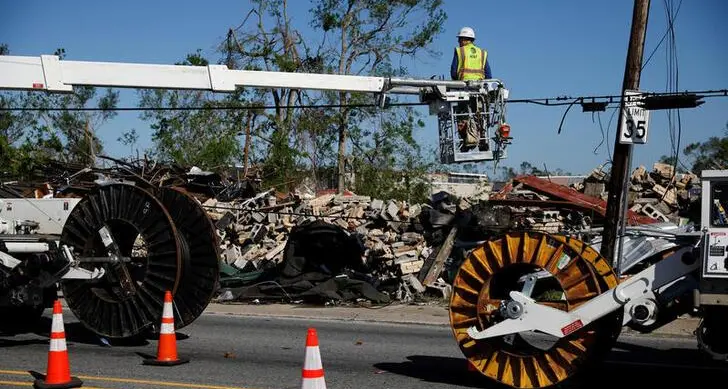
[
  {"x": 353, "y": 37},
  {"x": 391, "y": 179},
  {"x": 507, "y": 173},
  {"x": 129, "y": 138},
  {"x": 76, "y": 129},
  {"x": 194, "y": 59},
  {"x": 711, "y": 154},
  {"x": 699, "y": 156},
  {"x": 388, "y": 162},
  {"x": 668, "y": 159},
  {"x": 32, "y": 138},
  {"x": 369, "y": 31},
  {"x": 279, "y": 143},
  {"x": 25, "y": 160},
  {"x": 206, "y": 138}
]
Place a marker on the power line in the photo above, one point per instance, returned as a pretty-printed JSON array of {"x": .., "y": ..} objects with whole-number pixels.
[
  {"x": 547, "y": 101},
  {"x": 673, "y": 74},
  {"x": 615, "y": 99},
  {"x": 667, "y": 31}
]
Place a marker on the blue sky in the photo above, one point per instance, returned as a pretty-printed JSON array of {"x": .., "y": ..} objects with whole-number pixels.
[{"x": 538, "y": 48}]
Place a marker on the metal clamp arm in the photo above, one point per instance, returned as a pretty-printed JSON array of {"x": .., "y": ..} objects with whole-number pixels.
[{"x": 535, "y": 317}]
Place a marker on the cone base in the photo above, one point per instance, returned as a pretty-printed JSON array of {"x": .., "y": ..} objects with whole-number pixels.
[
  {"x": 314, "y": 383},
  {"x": 73, "y": 383},
  {"x": 157, "y": 362}
]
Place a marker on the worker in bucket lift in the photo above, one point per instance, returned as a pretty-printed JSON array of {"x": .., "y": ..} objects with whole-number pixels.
[{"x": 469, "y": 62}]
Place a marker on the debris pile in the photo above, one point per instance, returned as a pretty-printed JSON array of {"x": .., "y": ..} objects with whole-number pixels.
[
  {"x": 265, "y": 233},
  {"x": 539, "y": 204},
  {"x": 661, "y": 194},
  {"x": 664, "y": 195},
  {"x": 299, "y": 247}
]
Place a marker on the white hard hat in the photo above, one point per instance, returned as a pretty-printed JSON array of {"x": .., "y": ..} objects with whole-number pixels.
[{"x": 466, "y": 32}]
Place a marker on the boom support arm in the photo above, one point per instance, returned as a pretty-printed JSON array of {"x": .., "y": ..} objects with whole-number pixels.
[
  {"x": 48, "y": 72},
  {"x": 471, "y": 114}
]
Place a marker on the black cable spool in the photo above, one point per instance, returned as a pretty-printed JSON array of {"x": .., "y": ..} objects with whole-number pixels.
[
  {"x": 127, "y": 211},
  {"x": 200, "y": 259}
]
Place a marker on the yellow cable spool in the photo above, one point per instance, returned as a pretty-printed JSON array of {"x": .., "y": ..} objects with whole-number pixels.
[{"x": 531, "y": 360}]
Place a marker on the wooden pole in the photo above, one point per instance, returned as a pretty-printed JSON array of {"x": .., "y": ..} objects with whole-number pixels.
[{"x": 617, "y": 201}]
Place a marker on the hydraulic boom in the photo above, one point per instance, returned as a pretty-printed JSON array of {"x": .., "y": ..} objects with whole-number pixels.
[{"x": 475, "y": 108}]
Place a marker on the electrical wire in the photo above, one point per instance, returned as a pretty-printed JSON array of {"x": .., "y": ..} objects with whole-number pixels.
[
  {"x": 605, "y": 134},
  {"x": 601, "y": 129},
  {"x": 669, "y": 77},
  {"x": 564, "y": 116},
  {"x": 667, "y": 31},
  {"x": 609, "y": 125},
  {"x": 549, "y": 101},
  {"x": 673, "y": 77}
]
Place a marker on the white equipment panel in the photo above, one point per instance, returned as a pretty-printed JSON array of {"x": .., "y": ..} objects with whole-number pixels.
[
  {"x": 716, "y": 264},
  {"x": 714, "y": 219},
  {"x": 50, "y": 214}
]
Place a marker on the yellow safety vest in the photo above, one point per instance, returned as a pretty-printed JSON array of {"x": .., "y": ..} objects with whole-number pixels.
[{"x": 471, "y": 62}]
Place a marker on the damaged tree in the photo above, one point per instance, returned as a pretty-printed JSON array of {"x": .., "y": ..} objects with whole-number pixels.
[
  {"x": 364, "y": 36},
  {"x": 31, "y": 139},
  {"x": 358, "y": 37}
]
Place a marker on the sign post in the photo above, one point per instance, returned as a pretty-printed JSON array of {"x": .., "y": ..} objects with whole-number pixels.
[{"x": 635, "y": 120}]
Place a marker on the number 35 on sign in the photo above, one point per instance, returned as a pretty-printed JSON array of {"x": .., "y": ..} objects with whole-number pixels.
[{"x": 634, "y": 120}]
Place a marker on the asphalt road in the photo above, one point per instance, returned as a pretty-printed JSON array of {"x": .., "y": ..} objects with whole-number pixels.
[{"x": 240, "y": 352}]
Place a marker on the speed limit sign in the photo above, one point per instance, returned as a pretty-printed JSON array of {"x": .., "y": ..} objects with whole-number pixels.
[{"x": 635, "y": 119}]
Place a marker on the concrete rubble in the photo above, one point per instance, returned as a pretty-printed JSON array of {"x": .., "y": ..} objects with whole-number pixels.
[
  {"x": 254, "y": 233},
  {"x": 660, "y": 193},
  {"x": 408, "y": 250}
]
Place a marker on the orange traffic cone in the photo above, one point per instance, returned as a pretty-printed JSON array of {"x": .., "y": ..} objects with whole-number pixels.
[
  {"x": 313, "y": 371},
  {"x": 59, "y": 370},
  {"x": 167, "y": 345}
]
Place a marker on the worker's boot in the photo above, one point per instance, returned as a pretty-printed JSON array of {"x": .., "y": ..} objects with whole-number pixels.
[
  {"x": 472, "y": 135},
  {"x": 483, "y": 145}
]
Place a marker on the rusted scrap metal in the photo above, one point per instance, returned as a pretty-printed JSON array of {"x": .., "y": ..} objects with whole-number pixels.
[{"x": 587, "y": 203}]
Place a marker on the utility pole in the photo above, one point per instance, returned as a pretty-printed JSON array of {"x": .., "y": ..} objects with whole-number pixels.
[{"x": 617, "y": 200}]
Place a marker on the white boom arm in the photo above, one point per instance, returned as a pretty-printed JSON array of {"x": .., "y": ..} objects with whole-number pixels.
[
  {"x": 48, "y": 72},
  {"x": 487, "y": 140}
]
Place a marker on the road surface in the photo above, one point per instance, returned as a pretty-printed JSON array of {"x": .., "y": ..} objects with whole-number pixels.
[{"x": 258, "y": 352}]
